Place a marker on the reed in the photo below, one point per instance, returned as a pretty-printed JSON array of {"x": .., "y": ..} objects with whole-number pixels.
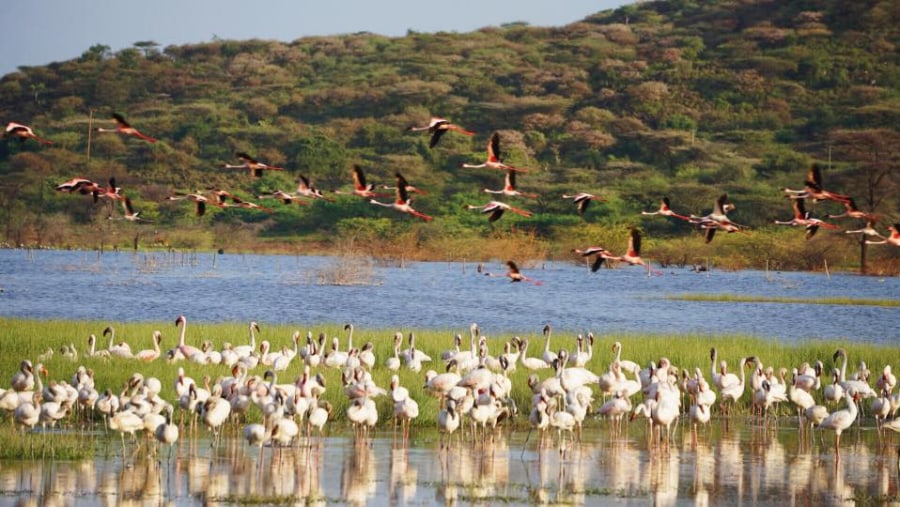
[
  {"x": 26, "y": 339},
  {"x": 737, "y": 298}
]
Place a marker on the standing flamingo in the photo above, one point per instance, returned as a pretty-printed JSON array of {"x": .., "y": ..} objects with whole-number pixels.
[
  {"x": 402, "y": 202},
  {"x": 493, "y": 158},
  {"x": 150, "y": 354},
  {"x": 255, "y": 167},
  {"x": 188, "y": 351},
  {"x": 840, "y": 420},
  {"x": 124, "y": 128},
  {"x": 437, "y": 127},
  {"x": 23, "y": 132}
]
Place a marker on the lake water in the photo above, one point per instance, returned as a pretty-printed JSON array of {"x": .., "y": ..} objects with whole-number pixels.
[
  {"x": 125, "y": 287},
  {"x": 747, "y": 464}
]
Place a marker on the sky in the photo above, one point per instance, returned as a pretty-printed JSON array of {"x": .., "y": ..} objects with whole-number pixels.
[{"x": 39, "y": 32}]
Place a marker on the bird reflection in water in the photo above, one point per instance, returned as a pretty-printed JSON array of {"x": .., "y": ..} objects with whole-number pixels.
[
  {"x": 402, "y": 486},
  {"x": 358, "y": 483}
]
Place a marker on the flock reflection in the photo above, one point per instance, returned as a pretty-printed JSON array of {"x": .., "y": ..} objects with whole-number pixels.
[{"x": 744, "y": 464}]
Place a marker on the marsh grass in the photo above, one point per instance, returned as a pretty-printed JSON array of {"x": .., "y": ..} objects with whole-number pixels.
[
  {"x": 44, "y": 444},
  {"x": 26, "y": 339},
  {"x": 737, "y": 298}
]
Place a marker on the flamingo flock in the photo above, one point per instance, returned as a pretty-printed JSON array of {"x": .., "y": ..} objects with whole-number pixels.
[
  {"x": 717, "y": 219},
  {"x": 475, "y": 392}
]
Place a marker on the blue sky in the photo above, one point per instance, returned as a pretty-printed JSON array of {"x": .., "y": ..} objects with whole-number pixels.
[{"x": 38, "y": 32}]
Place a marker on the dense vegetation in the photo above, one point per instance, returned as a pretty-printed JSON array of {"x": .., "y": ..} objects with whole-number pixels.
[{"x": 680, "y": 98}]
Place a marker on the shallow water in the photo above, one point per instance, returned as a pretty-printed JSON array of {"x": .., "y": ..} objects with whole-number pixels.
[
  {"x": 744, "y": 464},
  {"x": 129, "y": 287}
]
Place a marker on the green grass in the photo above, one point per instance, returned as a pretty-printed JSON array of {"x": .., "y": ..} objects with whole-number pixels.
[
  {"x": 26, "y": 339},
  {"x": 737, "y": 298}
]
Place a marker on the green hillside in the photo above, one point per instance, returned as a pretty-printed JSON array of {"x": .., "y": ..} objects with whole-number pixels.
[{"x": 685, "y": 99}]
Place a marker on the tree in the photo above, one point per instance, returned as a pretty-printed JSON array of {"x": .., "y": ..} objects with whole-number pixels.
[{"x": 876, "y": 155}]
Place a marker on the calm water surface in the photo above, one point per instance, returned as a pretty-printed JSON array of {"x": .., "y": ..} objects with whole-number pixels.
[
  {"x": 128, "y": 287},
  {"x": 746, "y": 464}
]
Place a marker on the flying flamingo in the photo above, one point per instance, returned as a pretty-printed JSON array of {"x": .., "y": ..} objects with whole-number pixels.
[
  {"x": 110, "y": 192},
  {"x": 130, "y": 214},
  {"x": 493, "y": 158},
  {"x": 402, "y": 202},
  {"x": 497, "y": 208},
  {"x": 717, "y": 219},
  {"x": 868, "y": 230},
  {"x": 197, "y": 198},
  {"x": 665, "y": 210},
  {"x": 509, "y": 187},
  {"x": 83, "y": 186},
  {"x": 802, "y": 217},
  {"x": 124, "y": 128},
  {"x": 893, "y": 239},
  {"x": 305, "y": 189},
  {"x": 360, "y": 187},
  {"x": 237, "y": 202},
  {"x": 633, "y": 255},
  {"x": 851, "y": 211},
  {"x": 256, "y": 167},
  {"x": 582, "y": 200},
  {"x": 283, "y": 197},
  {"x": 813, "y": 189},
  {"x": 437, "y": 127},
  {"x": 23, "y": 132},
  {"x": 601, "y": 255},
  {"x": 514, "y": 274}
]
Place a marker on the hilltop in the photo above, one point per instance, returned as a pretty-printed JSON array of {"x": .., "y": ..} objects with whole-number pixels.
[{"x": 684, "y": 99}]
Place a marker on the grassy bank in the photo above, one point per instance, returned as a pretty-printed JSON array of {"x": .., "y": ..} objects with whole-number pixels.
[
  {"x": 28, "y": 339},
  {"x": 738, "y": 298}
]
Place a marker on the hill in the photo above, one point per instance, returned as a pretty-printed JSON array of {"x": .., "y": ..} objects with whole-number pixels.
[{"x": 684, "y": 99}]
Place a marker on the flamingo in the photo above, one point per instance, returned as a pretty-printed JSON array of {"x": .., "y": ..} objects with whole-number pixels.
[
  {"x": 497, "y": 208},
  {"x": 803, "y": 217},
  {"x": 600, "y": 253},
  {"x": 23, "y": 380},
  {"x": 215, "y": 412},
  {"x": 493, "y": 158},
  {"x": 150, "y": 354},
  {"x": 23, "y": 132},
  {"x": 197, "y": 198},
  {"x": 187, "y": 351},
  {"x": 305, "y": 189},
  {"x": 583, "y": 200},
  {"x": 531, "y": 363},
  {"x": 121, "y": 349},
  {"x": 851, "y": 211},
  {"x": 814, "y": 189},
  {"x": 513, "y": 273},
  {"x": 124, "y": 128},
  {"x": 860, "y": 387},
  {"x": 633, "y": 255},
  {"x": 317, "y": 415},
  {"x": 112, "y": 192},
  {"x": 402, "y": 201},
  {"x": 130, "y": 215},
  {"x": 124, "y": 422},
  {"x": 284, "y": 197},
  {"x": 360, "y": 187},
  {"x": 665, "y": 210},
  {"x": 448, "y": 421},
  {"x": 840, "y": 420},
  {"x": 167, "y": 433},
  {"x": 717, "y": 219},
  {"x": 28, "y": 414},
  {"x": 83, "y": 186},
  {"x": 509, "y": 187},
  {"x": 893, "y": 239},
  {"x": 405, "y": 408},
  {"x": 867, "y": 230},
  {"x": 437, "y": 127},
  {"x": 254, "y": 166}
]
